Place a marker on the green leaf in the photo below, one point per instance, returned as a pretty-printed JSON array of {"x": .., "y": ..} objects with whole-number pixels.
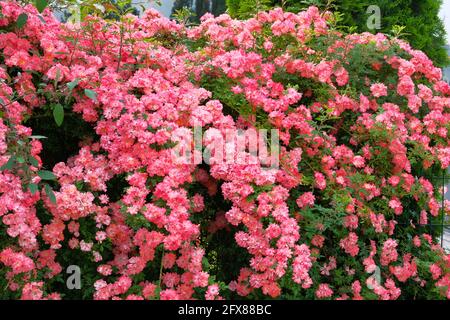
[
  {"x": 46, "y": 175},
  {"x": 90, "y": 94},
  {"x": 73, "y": 84},
  {"x": 8, "y": 165},
  {"x": 205, "y": 263},
  {"x": 20, "y": 159},
  {"x": 34, "y": 162},
  {"x": 41, "y": 5},
  {"x": 33, "y": 188},
  {"x": 21, "y": 20},
  {"x": 58, "y": 114},
  {"x": 50, "y": 193}
]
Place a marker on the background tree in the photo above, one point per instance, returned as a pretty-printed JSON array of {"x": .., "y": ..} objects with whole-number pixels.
[
  {"x": 422, "y": 26},
  {"x": 245, "y": 8}
]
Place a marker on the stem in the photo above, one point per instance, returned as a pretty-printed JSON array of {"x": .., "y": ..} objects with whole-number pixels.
[
  {"x": 120, "y": 48},
  {"x": 74, "y": 49},
  {"x": 161, "y": 269}
]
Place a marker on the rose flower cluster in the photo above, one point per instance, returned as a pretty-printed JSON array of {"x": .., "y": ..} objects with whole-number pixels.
[{"x": 363, "y": 123}]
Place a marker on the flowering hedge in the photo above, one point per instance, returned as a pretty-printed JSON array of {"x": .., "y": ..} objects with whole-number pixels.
[{"x": 363, "y": 122}]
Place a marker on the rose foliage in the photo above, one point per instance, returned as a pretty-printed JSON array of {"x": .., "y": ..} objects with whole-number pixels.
[{"x": 363, "y": 126}]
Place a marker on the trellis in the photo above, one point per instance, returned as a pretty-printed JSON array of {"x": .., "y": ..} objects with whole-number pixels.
[{"x": 444, "y": 222}]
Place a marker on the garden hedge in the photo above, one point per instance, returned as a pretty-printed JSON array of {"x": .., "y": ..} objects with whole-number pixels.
[{"x": 88, "y": 176}]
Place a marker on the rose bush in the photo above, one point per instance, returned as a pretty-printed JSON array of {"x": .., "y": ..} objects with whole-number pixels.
[{"x": 363, "y": 122}]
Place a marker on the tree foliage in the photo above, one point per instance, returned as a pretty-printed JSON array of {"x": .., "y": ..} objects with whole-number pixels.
[{"x": 423, "y": 28}]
